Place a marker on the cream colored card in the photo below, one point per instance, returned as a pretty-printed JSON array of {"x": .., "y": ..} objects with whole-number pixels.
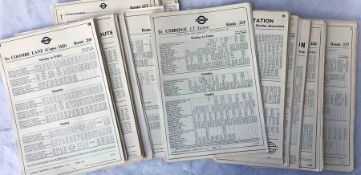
[
  {"x": 209, "y": 82},
  {"x": 139, "y": 32},
  {"x": 292, "y": 52},
  {"x": 73, "y": 11},
  {"x": 63, "y": 114},
  {"x": 340, "y": 93},
  {"x": 85, "y": 9},
  {"x": 271, "y": 31},
  {"x": 115, "y": 63},
  {"x": 110, "y": 41},
  {"x": 299, "y": 82},
  {"x": 311, "y": 157}
]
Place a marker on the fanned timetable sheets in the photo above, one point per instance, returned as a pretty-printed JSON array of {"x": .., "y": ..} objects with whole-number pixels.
[{"x": 116, "y": 82}]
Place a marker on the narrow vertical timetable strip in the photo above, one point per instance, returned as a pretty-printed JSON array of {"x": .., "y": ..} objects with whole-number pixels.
[
  {"x": 311, "y": 146},
  {"x": 141, "y": 43},
  {"x": 292, "y": 51},
  {"x": 299, "y": 81},
  {"x": 339, "y": 100},
  {"x": 110, "y": 43}
]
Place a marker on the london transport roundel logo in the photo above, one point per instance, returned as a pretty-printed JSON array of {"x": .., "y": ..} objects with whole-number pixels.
[
  {"x": 272, "y": 147},
  {"x": 46, "y": 40},
  {"x": 202, "y": 20},
  {"x": 103, "y": 5}
]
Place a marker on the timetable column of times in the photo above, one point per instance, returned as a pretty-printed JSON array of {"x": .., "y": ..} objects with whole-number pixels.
[
  {"x": 339, "y": 93},
  {"x": 119, "y": 85},
  {"x": 146, "y": 70}
]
